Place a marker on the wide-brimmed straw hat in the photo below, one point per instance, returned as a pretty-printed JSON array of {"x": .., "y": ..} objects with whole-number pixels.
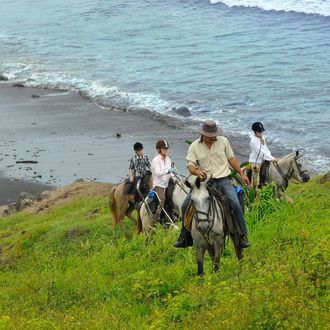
[{"x": 210, "y": 129}]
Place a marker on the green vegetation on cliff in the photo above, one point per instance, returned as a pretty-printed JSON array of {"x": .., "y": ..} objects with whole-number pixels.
[{"x": 67, "y": 269}]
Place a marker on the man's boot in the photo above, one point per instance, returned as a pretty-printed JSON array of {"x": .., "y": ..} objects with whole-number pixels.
[
  {"x": 184, "y": 240},
  {"x": 243, "y": 242}
]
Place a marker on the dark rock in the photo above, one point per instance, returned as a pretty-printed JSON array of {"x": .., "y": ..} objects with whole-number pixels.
[
  {"x": 44, "y": 195},
  {"x": 118, "y": 135},
  {"x": 26, "y": 162},
  {"x": 6, "y": 210},
  {"x": 3, "y": 78},
  {"x": 23, "y": 200},
  {"x": 35, "y": 96},
  {"x": 18, "y": 85},
  {"x": 182, "y": 111},
  {"x": 325, "y": 178}
]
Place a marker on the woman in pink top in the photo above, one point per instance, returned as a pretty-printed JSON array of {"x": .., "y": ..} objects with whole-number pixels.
[{"x": 161, "y": 173}]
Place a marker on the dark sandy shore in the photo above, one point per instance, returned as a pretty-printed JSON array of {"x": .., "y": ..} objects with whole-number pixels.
[
  {"x": 55, "y": 137},
  {"x": 10, "y": 189}
]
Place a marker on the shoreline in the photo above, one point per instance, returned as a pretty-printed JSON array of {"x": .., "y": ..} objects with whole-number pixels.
[
  {"x": 53, "y": 137},
  {"x": 11, "y": 188}
]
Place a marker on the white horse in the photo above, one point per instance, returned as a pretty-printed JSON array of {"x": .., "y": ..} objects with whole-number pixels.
[
  {"x": 290, "y": 168},
  {"x": 145, "y": 219},
  {"x": 207, "y": 227}
]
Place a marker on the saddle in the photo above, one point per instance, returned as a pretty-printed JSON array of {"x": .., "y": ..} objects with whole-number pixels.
[
  {"x": 153, "y": 202},
  {"x": 130, "y": 187},
  {"x": 169, "y": 205},
  {"x": 263, "y": 172}
]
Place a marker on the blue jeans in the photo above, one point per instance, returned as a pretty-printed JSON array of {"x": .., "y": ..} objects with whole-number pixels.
[{"x": 230, "y": 193}]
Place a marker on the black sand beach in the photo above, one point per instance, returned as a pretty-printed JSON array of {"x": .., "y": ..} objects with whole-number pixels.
[{"x": 56, "y": 137}]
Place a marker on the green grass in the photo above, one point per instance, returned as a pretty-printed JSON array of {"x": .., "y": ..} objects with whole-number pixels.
[{"x": 67, "y": 269}]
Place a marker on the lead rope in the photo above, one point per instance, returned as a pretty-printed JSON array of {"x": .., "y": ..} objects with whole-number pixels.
[{"x": 151, "y": 215}]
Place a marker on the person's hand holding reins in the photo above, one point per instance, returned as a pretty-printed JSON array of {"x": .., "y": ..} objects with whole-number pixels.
[
  {"x": 245, "y": 179},
  {"x": 200, "y": 174},
  {"x": 194, "y": 171}
]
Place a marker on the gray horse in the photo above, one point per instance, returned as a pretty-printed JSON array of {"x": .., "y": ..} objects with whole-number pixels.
[
  {"x": 207, "y": 227},
  {"x": 290, "y": 168}
]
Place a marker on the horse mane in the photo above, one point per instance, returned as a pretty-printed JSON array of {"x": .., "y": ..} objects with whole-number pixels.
[{"x": 292, "y": 154}]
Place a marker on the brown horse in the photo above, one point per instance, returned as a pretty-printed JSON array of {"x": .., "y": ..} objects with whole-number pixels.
[{"x": 121, "y": 205}]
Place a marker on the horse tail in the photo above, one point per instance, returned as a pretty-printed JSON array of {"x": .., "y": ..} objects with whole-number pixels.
[
  {"x": 139, "y": 222},
  {"x": 113, "y": 206}
]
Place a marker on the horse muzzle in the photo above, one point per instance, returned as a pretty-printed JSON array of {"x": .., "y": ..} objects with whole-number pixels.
[{"x": 305, "y": 177}]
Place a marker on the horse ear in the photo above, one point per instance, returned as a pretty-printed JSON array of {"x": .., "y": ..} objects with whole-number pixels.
[
  {"x": 206, "y": 180},
  {"x": 187, "y": 183},
  {"x": 198, "y": 182},
  {"x": 297, "y": 153}
]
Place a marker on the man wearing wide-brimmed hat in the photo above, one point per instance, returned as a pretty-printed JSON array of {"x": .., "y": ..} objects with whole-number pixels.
[{"x": 211, "y": 155}]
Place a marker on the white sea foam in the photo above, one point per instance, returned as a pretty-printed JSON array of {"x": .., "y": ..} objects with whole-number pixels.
[
  {"x": 105, "y": 95},
  {"x": 319, "y": 7}
]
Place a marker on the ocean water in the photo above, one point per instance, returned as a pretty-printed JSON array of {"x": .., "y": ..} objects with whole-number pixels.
[{"x": 235, "y": 61}]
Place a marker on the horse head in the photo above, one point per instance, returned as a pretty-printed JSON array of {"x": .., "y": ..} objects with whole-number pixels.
[
  {"x": 200, "y": 198},
  {"x": 299, "y": 167}
]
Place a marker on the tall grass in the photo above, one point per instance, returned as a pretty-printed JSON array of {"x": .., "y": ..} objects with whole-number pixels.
[{"x": 67, "y": 269}]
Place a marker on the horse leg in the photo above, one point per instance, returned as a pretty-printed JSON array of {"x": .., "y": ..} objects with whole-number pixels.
[
  {"x": 239, "y": 252},
  {"x": 148, "y": 225},
  {"x": 238, "y": 249},
  {"x": 144, "y": 223},
  {"x": 213, "y": 254},
  {"x": 200, "y": 251},
  {"x": 216, "y": 257},
  {"x": 121, "y": 217},
  {"x": 113, "y": 206},
  {"x": 129, "y": 213}
]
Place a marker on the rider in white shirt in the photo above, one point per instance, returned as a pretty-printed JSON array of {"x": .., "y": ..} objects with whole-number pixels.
[
  {"x": 161, "y": 168},
  {"x": 259, "y": 152}
]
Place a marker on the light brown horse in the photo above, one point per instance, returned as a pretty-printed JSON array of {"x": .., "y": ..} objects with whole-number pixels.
[{"x": 121, "y": 205}]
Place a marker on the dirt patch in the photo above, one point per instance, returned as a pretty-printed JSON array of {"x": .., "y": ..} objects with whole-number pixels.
[
  {"x": 75, "y": 232},
  {"x": 51, "y": 198}
]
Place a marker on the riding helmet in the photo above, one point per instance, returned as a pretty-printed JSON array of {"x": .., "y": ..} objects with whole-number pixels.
[
  {"x": 258, "y": 127},
  {"x": 138, "y": 146},
  {"x": 162, "y": 144}
]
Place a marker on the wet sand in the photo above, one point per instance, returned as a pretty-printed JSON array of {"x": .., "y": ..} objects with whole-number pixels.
[{"x": 56, "y": 137}]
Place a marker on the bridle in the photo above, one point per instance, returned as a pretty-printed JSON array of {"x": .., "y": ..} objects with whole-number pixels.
[
  {"x": 202, "y": 217},
  {"x": 290, "y": 174}
]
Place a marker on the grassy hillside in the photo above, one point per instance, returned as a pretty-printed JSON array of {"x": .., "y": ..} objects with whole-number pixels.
[{"x": 67, "y": 269}]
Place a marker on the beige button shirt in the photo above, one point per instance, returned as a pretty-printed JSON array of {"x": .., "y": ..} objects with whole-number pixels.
[{"x": 213, "y": 161}]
